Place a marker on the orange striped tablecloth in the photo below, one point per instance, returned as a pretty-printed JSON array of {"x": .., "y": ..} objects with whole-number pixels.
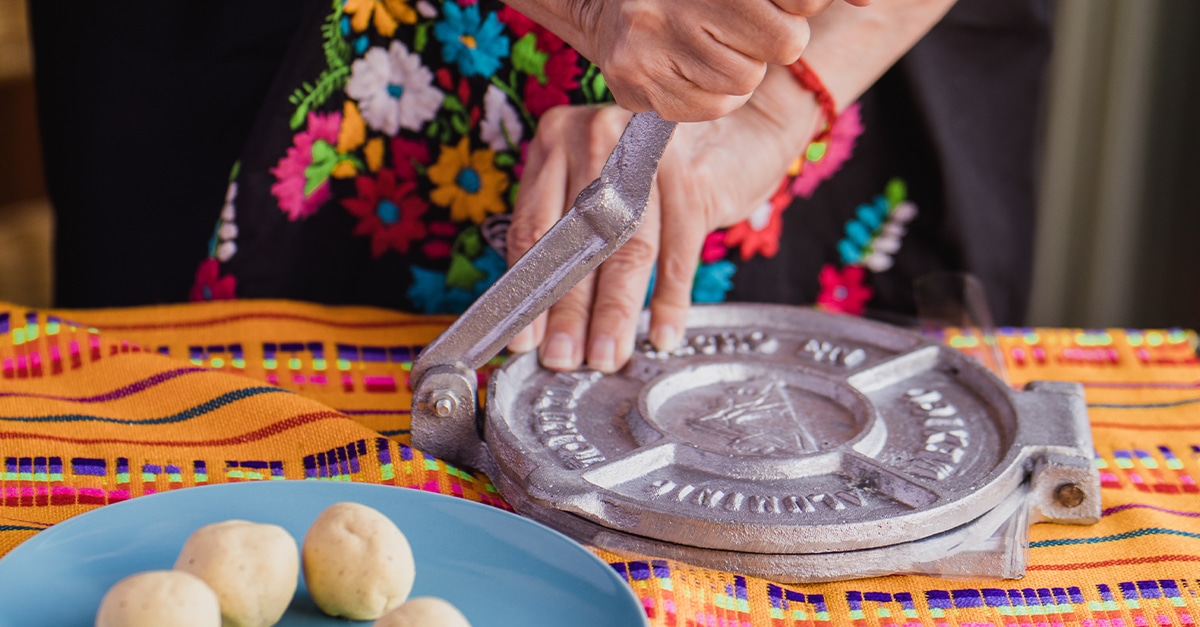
[{"x": 100, "y": 406}]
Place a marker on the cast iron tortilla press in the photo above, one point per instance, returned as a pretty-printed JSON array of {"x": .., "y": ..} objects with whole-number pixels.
[{"x": 776, "y": 441}]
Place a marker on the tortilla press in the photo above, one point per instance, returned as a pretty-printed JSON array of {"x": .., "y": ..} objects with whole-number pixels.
[{"x": 776, "y": 441}]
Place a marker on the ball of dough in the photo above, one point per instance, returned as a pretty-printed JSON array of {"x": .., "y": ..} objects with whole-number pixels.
[
  {"x": 357, "y": 563},
  {"x": 424, "y": 612},
  {"x": 254, "y": 568},
  {"x": 159, "y": 597}
]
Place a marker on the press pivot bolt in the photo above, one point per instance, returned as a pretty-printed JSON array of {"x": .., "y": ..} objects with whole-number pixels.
[
  {"x": 444, "y": 406},
  {"x": 1069, "y": 495}
]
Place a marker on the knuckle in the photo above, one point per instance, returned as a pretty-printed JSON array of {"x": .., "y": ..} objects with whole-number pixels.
[
  {"x": 676, "y": 271},
  {"x": 571, "y": 312},
  {"x": 522, "y": 234},
  {"x": 790, "y": 40},
  {"x": 636, "y": 253}
]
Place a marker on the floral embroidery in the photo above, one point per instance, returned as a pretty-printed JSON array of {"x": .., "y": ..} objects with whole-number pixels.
[
  {"x": 432, "y": 293},
  {"x": 552, "y": 66},
  {"x": 468, "y": 182},
  {"x": 475, "y": 44},
  {"x": 393, "y": 89},
  {"x": 822, "y": 160},
  {"x": 501, "y": 126},
  {"x": 843, "y": 291},
  {"x": 389, "y": 211},
  {"x": 713, "y": 281},
  {"x": 387, "y": 14},
  {"x": 759, "y": 235},
  {"x": 210, "y": 285},
  {"x": 225, "y": 246},
  {"x": 302, "y": 175},
  {"x": 874, "y": 234}
]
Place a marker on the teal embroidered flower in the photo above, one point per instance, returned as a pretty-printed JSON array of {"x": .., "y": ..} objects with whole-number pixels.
[
  {"x": 476, "y": 44},
  {"x": 435, "y": 292},
  {"x": 713, "y": 282}
]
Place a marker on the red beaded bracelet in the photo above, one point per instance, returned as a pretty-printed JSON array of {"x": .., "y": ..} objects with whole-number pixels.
[{"x": 809, "y": 80}]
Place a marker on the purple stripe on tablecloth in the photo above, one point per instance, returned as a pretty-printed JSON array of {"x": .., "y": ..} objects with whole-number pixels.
[{"x": 129, "y": 390}]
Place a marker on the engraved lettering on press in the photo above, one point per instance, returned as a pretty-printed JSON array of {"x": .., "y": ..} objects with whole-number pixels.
[
  {"x": 946, "y": 435},
  {"x": 554, "y": 419},
  {"x": 748, "y": 416},
  {"x": 726, "y": 343},
  {"x": 827, "y": 352},
  {"x": 733, "y": 501}
]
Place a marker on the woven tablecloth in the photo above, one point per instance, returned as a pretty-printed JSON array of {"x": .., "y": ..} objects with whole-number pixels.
[{"x": 100, "y": 406}]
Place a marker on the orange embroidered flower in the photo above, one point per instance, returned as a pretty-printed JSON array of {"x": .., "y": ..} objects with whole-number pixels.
[
  {"x": 468, "y": 182},
  {"x": 760, "y": 233},
  {"x": 388, "y": 14}
]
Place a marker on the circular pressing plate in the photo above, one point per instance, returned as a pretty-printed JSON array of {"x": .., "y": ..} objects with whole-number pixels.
[{"x": 771, "y": 430}]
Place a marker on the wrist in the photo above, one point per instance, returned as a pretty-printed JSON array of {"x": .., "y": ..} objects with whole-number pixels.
[{"x": 790, "y": 111}]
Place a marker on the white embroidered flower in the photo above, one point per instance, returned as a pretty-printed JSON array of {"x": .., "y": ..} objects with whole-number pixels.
[
  {"x": 228, "y": 230},
  {"x": 878, "y": 262},
  {"x": 886, "y": 244},
  {"x": 426, "y": 10},
  {"x": 499, "y": 118},
  {"x": 904, "y": 212},
  {"x": 227, "y": 210},
  {"x": 761, "y": 217},
  {"x": 226, "y": 250},
  {"x": 393, "y": 89}
]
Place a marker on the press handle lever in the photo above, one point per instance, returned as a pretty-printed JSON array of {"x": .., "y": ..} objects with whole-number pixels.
[{"x": 605, "y": 215}]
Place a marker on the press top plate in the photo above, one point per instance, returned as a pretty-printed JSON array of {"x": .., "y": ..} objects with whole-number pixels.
[{"x": 772, "y": 430}]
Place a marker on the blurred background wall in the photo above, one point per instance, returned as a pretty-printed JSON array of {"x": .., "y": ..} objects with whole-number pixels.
[
  {"x": 1119, "y": 232},
  {"x": 25, "y": 218}
]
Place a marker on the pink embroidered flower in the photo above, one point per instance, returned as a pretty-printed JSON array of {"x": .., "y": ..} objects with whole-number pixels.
[
  {"x": 562, "y": 73},
  {"x": 839, "y": 149},
  {"x": 843, "y": 292},
  {"x": 561, "y": 68},
  {"x": 210, "y": 285},
  {"x": 760, "y": 233},
  {"x": 302, "y": 175},
  {"x": 388, "y": 210},
  {"x": 407, "y": 155},
  {"x": 714, "y": 247}
]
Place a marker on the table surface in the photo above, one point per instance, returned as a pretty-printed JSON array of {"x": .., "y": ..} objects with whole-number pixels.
[{"x": 100, "y": 406}]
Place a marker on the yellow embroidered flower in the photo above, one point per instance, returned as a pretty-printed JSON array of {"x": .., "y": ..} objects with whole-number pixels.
[
  {"x": 468, "y": 182},
  {"x": 386, "y": 12}
]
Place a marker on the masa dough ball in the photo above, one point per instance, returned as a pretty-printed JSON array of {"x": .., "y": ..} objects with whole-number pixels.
[
  {"x": 357, "y": 563},
  {"x": 424, "y": 612},
  {"x": 254, "y": 568},
  {"x": 159, "y": 597}
]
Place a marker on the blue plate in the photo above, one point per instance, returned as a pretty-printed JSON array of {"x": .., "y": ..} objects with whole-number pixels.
[{"x": 498, "y": 568}]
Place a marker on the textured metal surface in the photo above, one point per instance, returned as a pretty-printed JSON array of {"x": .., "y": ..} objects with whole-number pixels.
[{"x": 779, "y": 430}]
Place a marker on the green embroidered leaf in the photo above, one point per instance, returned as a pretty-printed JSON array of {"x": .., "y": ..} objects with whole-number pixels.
[
  {"x": 324, "y": 160},
  {"x": 237, "y": 168},
  {"x": 599, "y": 88},
  {"x": 299, "y": 116},
  {"x": 452, "y": 103},
  {"x": 528, "y": 59},
  {"x": 433, "y": 129},
  {"x": 422, "y": 37},
  {"x": 462, "y": 274},
  {"x": 469, "y": 242},
  {"x": 896, "y": 191},
  {"x": 505, "y": 159},
  {"x": 512, "y": 194},
  {"x": 459, "y": 122}
]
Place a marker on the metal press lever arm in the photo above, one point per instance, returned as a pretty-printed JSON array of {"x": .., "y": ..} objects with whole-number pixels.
[{"x": 605, "y": 215}]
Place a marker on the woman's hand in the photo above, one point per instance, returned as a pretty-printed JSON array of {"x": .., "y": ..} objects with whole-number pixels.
[
  {"x": 688, "y": 60},
  {"x": 713, "y": 175}
]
